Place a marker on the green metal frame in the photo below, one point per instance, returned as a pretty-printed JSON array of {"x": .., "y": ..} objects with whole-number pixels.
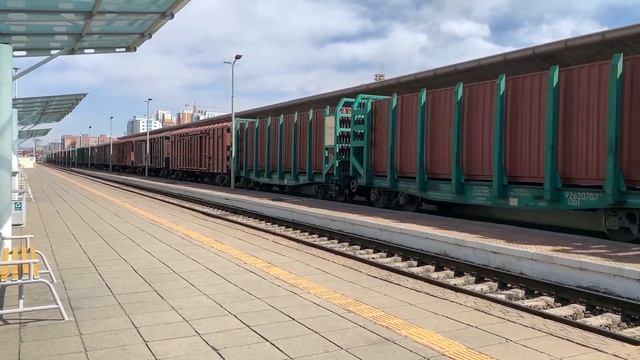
[
  {"x": 294, "y": 148},
  {"x": 421, "y": 130},
  {"x": 360, "y": 150},
  {"x": 614, "y": 185},
  {"x": 256, "y": 150},
  {"x": 499, "y": 179},
  {"x": 552, "y": 183},
  {"x": 310, "y": 145},
  {"x": 457, "y": 177},
  {"x": 279, "y": 159},
  {"x": 267, "y": 160},
  {"x": 391, "y": 142}
]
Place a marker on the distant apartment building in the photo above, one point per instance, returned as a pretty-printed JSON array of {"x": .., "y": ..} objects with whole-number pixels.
[
  {"x": 164, "y": 115},
  {"x": 184, "y": 117},
  {"x": 103, "y": 139},
  {"x": 202, "y": 114},
  {"x": 68, "y": 142},
  {"x": 139, "y": 124}
]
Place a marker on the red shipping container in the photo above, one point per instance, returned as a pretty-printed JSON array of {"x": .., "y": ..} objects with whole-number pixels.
[
  {"x": 582, "y": 123},
  {"x": 275, "y": 123},
  {"x": 303, "y": 125},
  {"x": 318, "y": 140},
  {"x": 438, "y": 139},
  {"x": 287, "y": 141},
  {"x": 262, "y": 143},
  {"x": 525, "y": 116},
  {"x": 630, "y": 133},
  {"x": 406, "y": 138},
  {"x": 477, "y": 129},
  {"x": 380, "y": 137}
]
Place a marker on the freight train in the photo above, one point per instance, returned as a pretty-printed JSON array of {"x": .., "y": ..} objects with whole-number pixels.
[{"x": 561, "y": 140}]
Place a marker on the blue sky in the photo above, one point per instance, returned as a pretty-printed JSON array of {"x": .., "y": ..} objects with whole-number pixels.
[{"x": 296, "y": 48}]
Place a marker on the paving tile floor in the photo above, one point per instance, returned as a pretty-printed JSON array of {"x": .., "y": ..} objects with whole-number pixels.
[{"x": 138, "y": 290}]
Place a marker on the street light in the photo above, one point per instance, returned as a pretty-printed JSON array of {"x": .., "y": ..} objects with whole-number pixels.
[
  {"x": 233, "y": 122},
  {"x": 89, "y": 160},
  {"x": 110, "y": 141},
  {"x": 146, "y": 157}
]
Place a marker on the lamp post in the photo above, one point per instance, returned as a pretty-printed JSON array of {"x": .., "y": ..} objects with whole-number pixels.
[
  {"x": 110, "y": 141},
  {"x": 146, "y": 157},
  {"x": 233, "y": 121},
  {"x": 89, "y": 141}
]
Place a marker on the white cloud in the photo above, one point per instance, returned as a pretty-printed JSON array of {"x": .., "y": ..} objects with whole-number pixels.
[
  {"x": 296, "y": 48},
  {"x": 465, "y": 28}
]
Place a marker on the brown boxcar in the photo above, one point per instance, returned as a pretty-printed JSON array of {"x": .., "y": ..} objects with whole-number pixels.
[
  {"x": 318, "y": 140},
  {"x": 201, "y": 149},
  {"x": 275, "y": 122},
  {"x": 287, "y": 142},
  {"x": 262, "y": 144}
]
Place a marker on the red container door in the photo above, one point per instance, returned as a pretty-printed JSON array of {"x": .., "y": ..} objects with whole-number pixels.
[
  {"x": 439, "y": 123},
  {"x": 287, "y": 141},
  {"x": 477, "y": 129},
  {"x": 262, "y": 143},
  {"x": 582, "y": 123},
  {"x": 303, "y": 125},
  {"x": 250, "y": 140},
  {"x": 379, "y": 137},
  {"x": 525, "y": 116},
  {"x": 630, "y": 124},
  {"x": 275, "y": 123},
  {"x": 318, "y": 141},
  {"x": 406, "y": 123}
]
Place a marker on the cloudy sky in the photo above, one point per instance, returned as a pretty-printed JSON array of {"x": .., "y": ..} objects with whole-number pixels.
[{"x": 294, "y": 48}]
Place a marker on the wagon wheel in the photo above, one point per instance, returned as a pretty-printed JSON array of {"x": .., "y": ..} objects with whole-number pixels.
[
  {"x": 622, "y": 226},
  {"x": 341, "y": 195},
  {"x": 410, "y": 203},
  {"x": 377, "y": 199}
]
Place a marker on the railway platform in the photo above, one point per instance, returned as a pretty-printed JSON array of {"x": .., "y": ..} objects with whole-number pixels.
[
  {"x": 574, "y": 260},
  {"x": 142, "y": 279}
]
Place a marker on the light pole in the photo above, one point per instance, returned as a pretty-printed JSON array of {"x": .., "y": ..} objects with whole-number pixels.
[
  {"x": 110, "y": 141},
  {"x": 146, "y": 157},
  {"x": 89, "y": 157},
  {"x": 233, "y": 121}
]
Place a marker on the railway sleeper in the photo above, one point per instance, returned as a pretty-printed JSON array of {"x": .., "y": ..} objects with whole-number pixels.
[
  {"x": 389, "y": 260},
  {"x": 633, "y": 332},
  {"x": 606, "y": 320},
  {"x": 571, "y": 311},
  {"x": 484, "y": 287},
  {"x": 441, "y": 275},
  {"x": 421, "y": 270},
  {"x": 538, "y": 303},
  {"x": 462, "y": 280}
]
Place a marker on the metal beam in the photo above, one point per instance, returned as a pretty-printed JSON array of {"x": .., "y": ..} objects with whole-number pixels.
[
  {"x": 614, "y": 185},
  {"x": 6, "y": 138}
]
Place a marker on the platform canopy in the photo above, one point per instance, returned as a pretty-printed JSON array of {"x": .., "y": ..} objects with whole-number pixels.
[
  {"x": 45, "y": 27},
  {"x": 24, "y": 135},
  {"x": 38, "y": 110}
]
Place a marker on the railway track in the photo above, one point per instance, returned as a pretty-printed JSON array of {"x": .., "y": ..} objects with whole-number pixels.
[{"x": 606, "y": 315}]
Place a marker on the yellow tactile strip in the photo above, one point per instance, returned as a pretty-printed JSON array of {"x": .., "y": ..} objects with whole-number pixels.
[{"x": 445, "y": 346}]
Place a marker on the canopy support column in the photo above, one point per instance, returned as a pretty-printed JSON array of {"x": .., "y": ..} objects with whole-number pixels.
[{"x": 6, "y": 137}]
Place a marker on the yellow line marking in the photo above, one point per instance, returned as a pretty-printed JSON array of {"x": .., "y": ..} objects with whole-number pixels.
[{"x": 445, "y": 346}]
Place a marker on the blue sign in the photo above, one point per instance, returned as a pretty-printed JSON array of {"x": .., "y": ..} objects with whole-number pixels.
[{"x": 17, "y": 206}]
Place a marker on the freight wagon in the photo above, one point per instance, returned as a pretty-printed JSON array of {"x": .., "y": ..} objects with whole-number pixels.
[{"x": 556, "y": 140}]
